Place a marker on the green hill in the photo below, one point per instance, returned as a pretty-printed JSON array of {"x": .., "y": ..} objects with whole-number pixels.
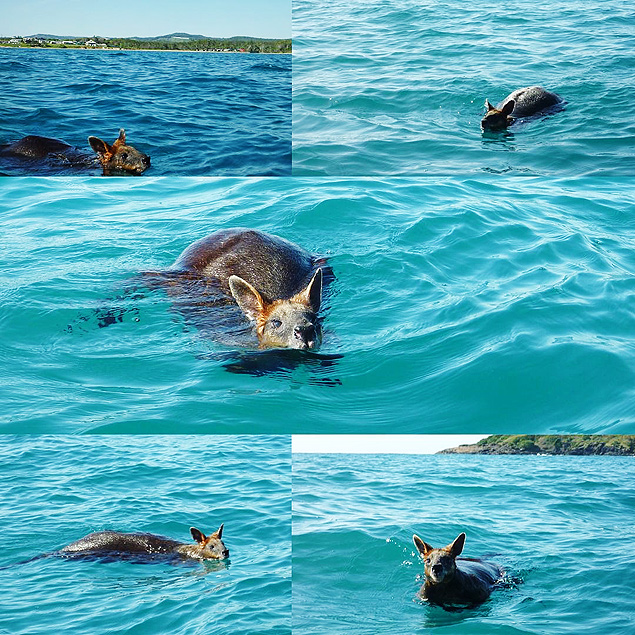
[{"x": 578, "y": 444}]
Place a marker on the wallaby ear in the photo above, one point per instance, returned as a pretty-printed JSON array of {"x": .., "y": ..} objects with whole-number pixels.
[
  {"x": 198, "y": 536},
  {"x": 120, "y": 140},
  {"x": 488, "y": 105},
  {"x": 248, "y": 299},
  {"x": 312, "y": 294},
  {"x": 218, "y": 533},
  {"x": 508, "y": 107},
  {"x": 99, "y": 146},
  {"x": 457, "y": 546},
  {"x": 422, "y": 547}
]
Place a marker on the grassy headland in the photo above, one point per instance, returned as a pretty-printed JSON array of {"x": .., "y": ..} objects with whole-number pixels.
[{"x": 579, "y": 444}]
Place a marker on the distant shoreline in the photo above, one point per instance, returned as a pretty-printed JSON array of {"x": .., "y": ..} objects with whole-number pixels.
[
  {"x": 171, "y": 42},
  {"x": 145, "y": 50},
  {"x": 553, "y": 444}
]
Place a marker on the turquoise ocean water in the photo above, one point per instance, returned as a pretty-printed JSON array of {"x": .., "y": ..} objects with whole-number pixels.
[
  {"x": 558, "y": 526},
  {"x": 54, "y": 490},
  {"x": 193, "y": 113},
  {"x": 398, "y": 87},
  {"x": 459, "y": 306},
  {"x": 483, "y": 284}
]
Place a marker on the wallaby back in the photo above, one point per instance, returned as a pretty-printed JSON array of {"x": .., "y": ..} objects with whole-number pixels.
[
  {"x": 115, "y": 543},
  {"x": 276, "y": 267},
  {"x": 36, "y": 147},
  {"x": 523, "y": 102}
]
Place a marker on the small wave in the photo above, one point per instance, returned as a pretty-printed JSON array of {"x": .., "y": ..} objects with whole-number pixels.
[{"x": 268, "y": 66}]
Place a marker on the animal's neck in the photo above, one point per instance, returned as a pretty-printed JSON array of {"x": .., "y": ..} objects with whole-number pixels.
[
  {"x": 189, "y": 551},
  {"x": 449, "y": 581}
]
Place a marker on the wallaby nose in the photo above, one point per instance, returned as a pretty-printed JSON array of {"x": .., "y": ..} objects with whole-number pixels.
[
  {"x": 306, "y": 334},
  {"x": 146, "y": 160},
  {"x": 437, "y": 569}
]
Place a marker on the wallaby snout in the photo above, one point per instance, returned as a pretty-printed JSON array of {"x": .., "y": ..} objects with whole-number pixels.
[{"x": 306, "y": 334}]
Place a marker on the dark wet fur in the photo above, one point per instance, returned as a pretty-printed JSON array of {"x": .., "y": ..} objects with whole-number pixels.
[
  {"x": 49, "y": 152},
  {"x": 137, "y": 547},
  {"x": 38, "y": 151},
  {"x": 35, "y": 147},
  {"x": 111, "y": 546},
  {"x": 520, "y": 104},
  {"x": 452, "y": 581},
  {"x": 132, "y": 545}
]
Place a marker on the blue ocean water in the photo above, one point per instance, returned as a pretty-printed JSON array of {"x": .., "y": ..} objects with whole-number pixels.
[
  {"x": 557, "y": 525},
  {"x": 193, "y": 113},
  {"x": 459, "y": 306},
  {"x": 54, "y": 490},
  {"x": 398, "y": 87}
]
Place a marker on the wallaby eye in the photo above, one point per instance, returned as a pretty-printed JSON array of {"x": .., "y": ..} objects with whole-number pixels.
[
  {"x": 124, "y": 155},
  {"x": 275, "y": 323}
]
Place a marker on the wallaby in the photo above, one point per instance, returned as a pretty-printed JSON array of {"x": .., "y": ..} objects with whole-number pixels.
[
  {"x": 118, "y": 544},
  {"x": 524, "y": 102},
  {"x": 276, "y": 284},
  {"x": 116, "y": 158},
  {"x": 468, "y": 581}
]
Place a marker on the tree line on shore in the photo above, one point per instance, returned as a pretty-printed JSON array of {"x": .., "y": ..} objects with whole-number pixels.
[{"x": 247, "y": 45}]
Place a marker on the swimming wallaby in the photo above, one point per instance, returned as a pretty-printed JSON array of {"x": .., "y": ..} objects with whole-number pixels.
[
  {"x": 116, "y": 158},
  {"x": 276, "y": 284},
  {"x": 118, "y": 544},
  {"x": 523, "y": 102},
  {"x": 468, "y": 582}
]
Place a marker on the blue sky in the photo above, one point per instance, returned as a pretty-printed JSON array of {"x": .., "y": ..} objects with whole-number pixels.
[
  {"x": 379, "y": 443},
  {"x": 144, "y": 18}
]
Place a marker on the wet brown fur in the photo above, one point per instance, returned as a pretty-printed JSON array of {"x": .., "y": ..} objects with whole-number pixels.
[
  {"x": 523, "y": 102},
  {"x": 114, "y": 159},
  {"x": 105, "y": 543},
  {"x": 446, "y": 583}
]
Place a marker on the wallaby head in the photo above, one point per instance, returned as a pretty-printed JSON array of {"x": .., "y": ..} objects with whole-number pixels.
[
  {"x": 119, "y": 157},
  {"x": 289, "y": 323},
  {"x": 496, "y": 119},
  {"x": 440, "y": 565},
  {"x": 208, "y": 547}
]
